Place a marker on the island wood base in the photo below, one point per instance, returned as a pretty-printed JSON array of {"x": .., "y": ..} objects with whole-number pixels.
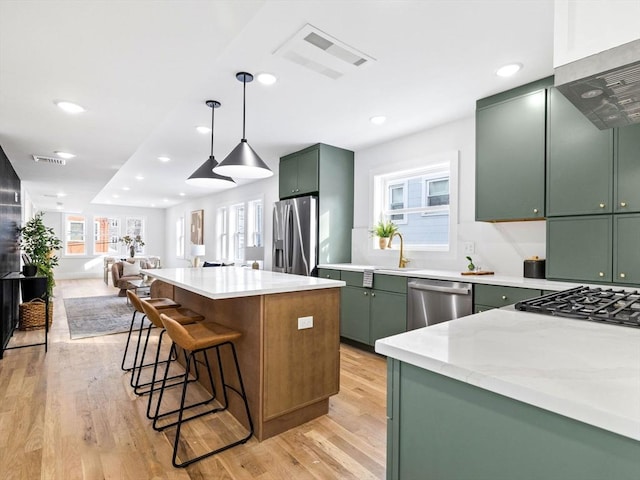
[{"x": 289, "y": 374}]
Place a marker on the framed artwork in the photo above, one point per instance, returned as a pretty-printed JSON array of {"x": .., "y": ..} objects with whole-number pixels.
[{"x": 197, "y": 232}]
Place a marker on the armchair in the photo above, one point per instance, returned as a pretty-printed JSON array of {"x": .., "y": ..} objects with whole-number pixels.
[{"x": 120, "y": 280}]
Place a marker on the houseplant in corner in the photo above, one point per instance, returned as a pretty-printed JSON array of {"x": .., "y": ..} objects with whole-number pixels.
[
  {"x": 39, "y": 242},
  {"x": 383, "y": 230}
]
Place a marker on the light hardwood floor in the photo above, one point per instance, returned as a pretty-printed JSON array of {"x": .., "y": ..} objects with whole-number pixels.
[{"x": 70, "y": 414}]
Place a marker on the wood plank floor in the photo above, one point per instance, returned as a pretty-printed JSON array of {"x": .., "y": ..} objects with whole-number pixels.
[{"x": 70, "y": 414}]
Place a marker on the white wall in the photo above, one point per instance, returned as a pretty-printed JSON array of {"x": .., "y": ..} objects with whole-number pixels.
[
  {"x": 91, "y": 266},
  {"x": 267, "y": 190},
  {"x": 498, "y": 247}
]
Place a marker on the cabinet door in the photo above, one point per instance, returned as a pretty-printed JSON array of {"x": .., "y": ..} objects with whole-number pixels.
[
  {"x": 354, "y": 314},
  {"x": 307, "y": 172},
  {"x": 388, "y": 314},
  {"x": 579, "y": 248},
  {"x": 626, "y": 260},
  {"x": 579, "y": 164},
  {"x": 288, "y": 176},
  {"x": 628, "y": 169},
  {"x": 510, "y": 158},
  {"x": 499, "y": 296},
  {"x": 329, "y": 273}
]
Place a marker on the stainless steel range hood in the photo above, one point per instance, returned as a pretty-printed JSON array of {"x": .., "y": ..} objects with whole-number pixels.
[{"x": 605, "y": 86}]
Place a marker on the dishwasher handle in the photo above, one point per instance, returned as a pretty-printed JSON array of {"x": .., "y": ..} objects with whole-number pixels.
[{"x": 437, "y": 288}]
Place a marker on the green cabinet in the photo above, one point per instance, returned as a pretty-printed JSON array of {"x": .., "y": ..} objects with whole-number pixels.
[
  {"x": 299, "y": 173},
  {"x": 626, "y": 240},
  {"x": 329, "y": 273},
  {"x": 580, "y": 248},
  {"x": 627, "y": 169},
  {"x": 486, "y": 297},
  {"x": 367, "y": 314},
  {"x": 326, "y": 172},
  {"x": 579, "y": 163},
  {"x": 510, "y": 154}
]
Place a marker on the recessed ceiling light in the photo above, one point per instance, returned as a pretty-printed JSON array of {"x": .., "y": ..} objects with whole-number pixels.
[
  {"x": 378, "y": 119},
  {"x": 508, "y": 70},
  {"x": 182, "y": 194},
  {"x": 66, "y": 155},
  {"x": 61, "y": 194},
  {"x": 115, "y": 195},
  {"x": 267, "y": 78},
  {"x": 139, "y": 177},
  {"x": 126, "y": 189},
  {"x": 70, "y": 107},
  {"x": 165, "y": 200},
  {"x": 203, "y": 130},
  {"x": 164, "y": 159},
  {"x": 153, "y": 204}
]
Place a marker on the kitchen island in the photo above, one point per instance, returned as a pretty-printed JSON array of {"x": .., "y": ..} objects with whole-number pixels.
[
  {"x": 290, "y": 369},
  {"x": 506, "y": 394}
]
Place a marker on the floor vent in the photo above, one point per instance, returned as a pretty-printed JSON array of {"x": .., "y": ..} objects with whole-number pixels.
[
  {"x": 52, "y": 160},
  {"x": 322, "y": 53}
]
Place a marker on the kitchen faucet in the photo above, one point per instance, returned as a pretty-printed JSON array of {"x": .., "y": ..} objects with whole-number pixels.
[{"x": 403, "y": 261}]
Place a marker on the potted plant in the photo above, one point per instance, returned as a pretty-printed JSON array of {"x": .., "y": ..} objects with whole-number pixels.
[
  {"x": 39, "y": 242},
  {"x": 383, "y": 230},
  {"x": 133, "y": 243}
]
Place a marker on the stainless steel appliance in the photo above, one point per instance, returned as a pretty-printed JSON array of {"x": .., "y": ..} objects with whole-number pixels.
[
  {"x": 295, "y": 236},
  {"x": 605, "y": 305},
  {"x": 434, "y": 301}
]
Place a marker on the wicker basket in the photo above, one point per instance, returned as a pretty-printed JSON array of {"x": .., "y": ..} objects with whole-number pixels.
[{"x": 32, "y": 314}]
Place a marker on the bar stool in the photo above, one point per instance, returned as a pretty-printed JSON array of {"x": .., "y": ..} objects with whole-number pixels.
[
  {"x": 198, "y": 339},
  {"x": 159, "y": 303},
  {"x": 181, "y": 315}
]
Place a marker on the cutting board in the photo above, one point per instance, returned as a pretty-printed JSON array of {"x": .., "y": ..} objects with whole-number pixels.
[{"x": 481, "y": 272}]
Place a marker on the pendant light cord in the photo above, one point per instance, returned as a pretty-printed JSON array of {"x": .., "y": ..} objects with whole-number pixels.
[
  {"x": 213, "y": 109},
  {"x": 244, "y": 106}
]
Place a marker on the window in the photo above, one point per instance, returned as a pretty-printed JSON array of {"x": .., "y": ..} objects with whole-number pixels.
[
  {"x": 75, "y": 235},
  {"x": 222, "y": 227},
  {"x": 135, "y": 226},
  {"x": 254, "y": 223},
  {"x": 237, "y": 228},
  {"x": 180, "y": 237},
  {"x": 418, "y": 201},
  {"x": 106, "y": 234}
]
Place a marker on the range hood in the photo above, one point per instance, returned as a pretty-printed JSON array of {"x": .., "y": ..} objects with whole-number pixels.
[{"x": 605, "y": 86}]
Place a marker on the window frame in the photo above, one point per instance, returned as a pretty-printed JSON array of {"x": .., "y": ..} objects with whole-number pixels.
[{"x": 67, "y": 233}]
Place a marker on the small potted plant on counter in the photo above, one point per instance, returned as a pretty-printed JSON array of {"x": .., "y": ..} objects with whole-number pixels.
[{"x": 383, "y": 230}]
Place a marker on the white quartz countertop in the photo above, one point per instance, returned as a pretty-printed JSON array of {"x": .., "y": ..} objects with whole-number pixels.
[
  {"x": 586, "y": 371},
  {"x": 503, "y": 280},
  {"x": 230, "y": 282}
]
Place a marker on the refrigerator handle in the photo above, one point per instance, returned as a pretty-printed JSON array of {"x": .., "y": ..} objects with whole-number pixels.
[{"x": 288, "y": 245}]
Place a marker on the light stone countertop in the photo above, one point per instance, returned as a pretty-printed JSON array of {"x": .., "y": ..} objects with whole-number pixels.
[
  {"x": 583, "y": 370},
  {"x": 231, "y": 282}
]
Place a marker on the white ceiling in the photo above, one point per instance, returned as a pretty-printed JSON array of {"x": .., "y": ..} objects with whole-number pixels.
[{"x": 143, "y": 70}]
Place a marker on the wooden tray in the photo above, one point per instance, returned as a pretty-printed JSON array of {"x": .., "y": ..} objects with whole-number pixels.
[{"x": 481, "y": 272}]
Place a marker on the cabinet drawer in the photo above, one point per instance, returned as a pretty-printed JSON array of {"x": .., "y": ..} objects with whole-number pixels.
[
  {"x": 328, "y": 273},
  {"x": 390, "y": 283},
  {"x": 497, "y": 296},
  {"x": 353, "y": 279}
]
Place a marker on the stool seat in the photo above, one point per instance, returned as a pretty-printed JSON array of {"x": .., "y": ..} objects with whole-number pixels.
[
  {"x": 198, "y": 336},
  {"x": 182, "y": 315},
  {"x": 162, "y": 303}
]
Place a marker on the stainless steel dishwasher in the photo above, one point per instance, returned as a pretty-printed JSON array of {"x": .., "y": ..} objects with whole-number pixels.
[{"x": 435, "y": 301}]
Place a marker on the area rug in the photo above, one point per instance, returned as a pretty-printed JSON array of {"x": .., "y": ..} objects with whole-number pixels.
[{"x": 95, "y": 316}]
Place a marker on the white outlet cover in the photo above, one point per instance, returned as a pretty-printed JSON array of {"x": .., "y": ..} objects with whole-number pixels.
[{"x": 305, "y": 322}]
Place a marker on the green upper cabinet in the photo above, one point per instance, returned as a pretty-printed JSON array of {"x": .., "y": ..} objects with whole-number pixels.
[
  {"x": 627, "y": 169},
  {"x": 510, "y": 154},
  {"x": 580, "y": 248},
  {"x": 579, "y": 162},
  {"x": 299, "y": 174}
]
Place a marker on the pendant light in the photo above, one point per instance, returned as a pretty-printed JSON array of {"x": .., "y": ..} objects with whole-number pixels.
[
  {"x": 204, "y": 176},
  {"x": 243, "y": 161}
]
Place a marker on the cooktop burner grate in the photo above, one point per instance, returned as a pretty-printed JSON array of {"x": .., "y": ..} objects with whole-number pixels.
[{"x": 617, "y": 307}]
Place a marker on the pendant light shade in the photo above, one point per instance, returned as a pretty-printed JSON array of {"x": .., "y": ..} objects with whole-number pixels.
[
  {"x": 204, "y": 176},
  {"x": 243, "y": 161}
]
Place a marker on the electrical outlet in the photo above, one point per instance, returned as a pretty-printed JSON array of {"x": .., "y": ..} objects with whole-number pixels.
[
  {"x": 305, "y": 322},
  {"x": 468, "y": 248}
]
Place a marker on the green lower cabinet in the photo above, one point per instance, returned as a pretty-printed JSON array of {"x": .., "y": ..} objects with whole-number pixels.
[
  {"x": 580, "y": 248},
  {"x": 441, "y": 428},
  {"x": 388, "y": 314},
  {"x": 486, "y": 297},
  {"x": 626, "y": 257},
  {"x": 354, "y": 314}
]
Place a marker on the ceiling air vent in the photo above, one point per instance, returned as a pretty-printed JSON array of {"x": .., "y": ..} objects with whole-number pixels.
[
  {"x": 51, "y": 160},
  {"x": 322, "y": 53}
]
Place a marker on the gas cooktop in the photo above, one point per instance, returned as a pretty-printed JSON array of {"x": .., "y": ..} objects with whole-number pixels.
[{"x": 616, "y": 307}]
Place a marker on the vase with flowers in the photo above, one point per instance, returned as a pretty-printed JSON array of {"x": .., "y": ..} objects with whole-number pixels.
[{"x": 133, "y": 242}]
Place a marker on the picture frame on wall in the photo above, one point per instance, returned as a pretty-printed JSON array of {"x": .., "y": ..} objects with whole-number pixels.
[{"x": 197, "y": 230}]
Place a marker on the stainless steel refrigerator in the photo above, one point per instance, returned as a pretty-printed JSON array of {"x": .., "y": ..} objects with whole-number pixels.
[{"x": 295, "y": 236}]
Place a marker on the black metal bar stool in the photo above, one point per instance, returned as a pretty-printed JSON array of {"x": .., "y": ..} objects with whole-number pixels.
[
  {"x": 181, "y": 315},
  {"x": 198, "y": 339},
  {"x": 159, "y": 303}
]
